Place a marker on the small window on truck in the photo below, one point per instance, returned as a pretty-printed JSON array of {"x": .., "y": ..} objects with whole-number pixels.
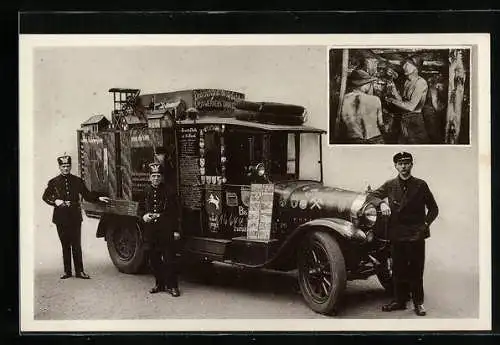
[
  {"x": 212, "y": 153},
  {"x": 291, "y": 154}
]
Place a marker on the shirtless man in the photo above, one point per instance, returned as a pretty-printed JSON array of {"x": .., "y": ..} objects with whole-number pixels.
[{"x": 361, "y": 115}]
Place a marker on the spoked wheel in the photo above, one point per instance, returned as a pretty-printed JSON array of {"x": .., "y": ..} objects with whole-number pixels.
[
  {"x": 125, "y": 247},
  {"x": 385, "y": 274},
  {"x": 322, "y": 273}
]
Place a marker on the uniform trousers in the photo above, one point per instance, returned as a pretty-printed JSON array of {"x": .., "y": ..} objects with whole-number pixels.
[
  {"x": 408, "y": 270},
  {"x": 162, "y": 255},
  {"x": 70, "y": 237}
]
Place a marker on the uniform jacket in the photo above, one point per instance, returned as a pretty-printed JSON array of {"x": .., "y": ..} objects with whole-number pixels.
[
  {"x": 160, "y": 200},
  {"x": 67, "y": 188},
  {"x": 410, "y": 210}
]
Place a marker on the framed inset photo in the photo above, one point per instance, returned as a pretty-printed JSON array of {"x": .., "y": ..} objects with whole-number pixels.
[{"x": 400, "y": 95}]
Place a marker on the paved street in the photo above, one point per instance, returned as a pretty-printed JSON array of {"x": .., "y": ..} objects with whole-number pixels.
[{"x": 451, "y": 288}]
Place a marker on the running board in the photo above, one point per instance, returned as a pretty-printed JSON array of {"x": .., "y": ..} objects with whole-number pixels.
[{"x": 211, "y": 248}]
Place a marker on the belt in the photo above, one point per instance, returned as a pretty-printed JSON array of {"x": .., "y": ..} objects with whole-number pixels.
[
  {"x": 72, "y": 203},
  {"x": 411, "y": 113}
]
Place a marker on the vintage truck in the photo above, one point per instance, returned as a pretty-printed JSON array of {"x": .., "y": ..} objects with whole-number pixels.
[{"x": 247, "y": 178}]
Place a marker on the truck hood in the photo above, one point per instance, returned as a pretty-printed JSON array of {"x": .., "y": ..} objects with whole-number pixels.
[{"x": 323, "y": 201}]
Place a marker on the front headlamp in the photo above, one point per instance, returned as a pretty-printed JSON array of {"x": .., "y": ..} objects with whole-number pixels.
[{"x": 369, "y": 215}]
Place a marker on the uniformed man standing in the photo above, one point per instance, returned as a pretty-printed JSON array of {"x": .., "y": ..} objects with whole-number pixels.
[
  {"x": 63, "y": 192},
  {"x": 412, "y": 208},
  {"x": 159, "y": 218}
]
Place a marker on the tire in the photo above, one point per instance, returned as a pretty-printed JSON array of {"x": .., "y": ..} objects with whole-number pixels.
[
  {"x": 272, "y": 113},
  {"x": 271, "y": 107},
  {"x": 126, "y": 247},
  {"x": 384, "y": 273},
  {"x": 271, "y": 118},
  {"x": 322, "y": 272}
]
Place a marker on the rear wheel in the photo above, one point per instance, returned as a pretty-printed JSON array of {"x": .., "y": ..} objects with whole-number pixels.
[
  {"x": 126, "y": 247},
  {"x": 322, "y": 272}
]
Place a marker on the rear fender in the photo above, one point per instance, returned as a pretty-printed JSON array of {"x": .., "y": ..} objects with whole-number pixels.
[{"x": 108, "y": 220}]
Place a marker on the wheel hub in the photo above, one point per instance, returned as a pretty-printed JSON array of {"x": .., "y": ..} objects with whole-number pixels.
[
  {"x": 125, "y": 243},
  {"x": 319, "y": 277}
]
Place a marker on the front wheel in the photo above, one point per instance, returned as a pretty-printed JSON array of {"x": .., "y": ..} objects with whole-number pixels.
[
  {"x": 126, "y": 247},
  {"x": 322, "y": 272}
]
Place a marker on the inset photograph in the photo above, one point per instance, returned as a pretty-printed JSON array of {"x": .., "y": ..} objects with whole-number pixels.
[{"x": 399, "y": 96}]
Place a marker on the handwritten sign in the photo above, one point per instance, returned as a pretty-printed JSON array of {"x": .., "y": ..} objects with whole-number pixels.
[
  {"x": 190, "y": 190},
  {"x": 260, "y": 211}
]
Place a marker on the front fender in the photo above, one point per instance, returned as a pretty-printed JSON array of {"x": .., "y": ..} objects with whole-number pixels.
[{"x": 341, "y": 227}]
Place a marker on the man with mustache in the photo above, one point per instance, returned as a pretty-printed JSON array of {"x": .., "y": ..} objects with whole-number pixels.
[
  {"x": 63, "y": 192},
  {"x": 412, "y": 208}
]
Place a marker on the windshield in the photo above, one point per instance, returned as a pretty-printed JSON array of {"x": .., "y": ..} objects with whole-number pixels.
[
  {"x": 310, "y": 157},
  {"x": 286, "y": 155},
  {"x": 295, "y": 156}
]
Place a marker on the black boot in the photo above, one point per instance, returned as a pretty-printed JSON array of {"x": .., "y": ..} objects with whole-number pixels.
[
  {"x": 157, "y": 288},
  {"x": 174, "y": 292},
  {"x": 82, "y": 275},
  {"x": 394, "y": 305},
  {"x": 420, "y": 310}
]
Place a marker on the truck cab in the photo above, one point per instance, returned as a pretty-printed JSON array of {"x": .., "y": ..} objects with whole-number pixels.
[{"x": 247, "y": 180}]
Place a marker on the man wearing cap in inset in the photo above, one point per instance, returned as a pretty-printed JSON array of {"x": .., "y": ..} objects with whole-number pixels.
[
  {"x": 159, "y": 228},
  {"x": 412, "y": 208},
  {"x": 361, "y": 119},
  {"x": 408, "y": 106},
  {"x": 63, "y": 192}
]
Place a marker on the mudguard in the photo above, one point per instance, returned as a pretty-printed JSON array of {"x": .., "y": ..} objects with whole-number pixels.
[
  {"x": 109, "y": 219},
  {"x": 101, "y": 227},
  {"x": 339, "y": 228}
]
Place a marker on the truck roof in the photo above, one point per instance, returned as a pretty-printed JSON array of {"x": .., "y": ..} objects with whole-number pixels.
[{"x": 249, "y": 124}]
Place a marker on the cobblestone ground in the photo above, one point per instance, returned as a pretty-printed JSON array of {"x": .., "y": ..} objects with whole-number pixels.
[{"x": 451, "y": 282}]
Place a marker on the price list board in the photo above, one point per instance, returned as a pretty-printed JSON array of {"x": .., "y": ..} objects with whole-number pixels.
[
  {"x": 189, "y": 169},
  {"x": 266, "y": 212},
  {"x": 260, "y": 211}
]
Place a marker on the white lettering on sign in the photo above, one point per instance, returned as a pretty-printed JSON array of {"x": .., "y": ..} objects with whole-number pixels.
[
  {"x": 242, "y": 211},
  {"x": 140, "y": 138},
  {"x": 216, "y": 98},
  {"x": 91, "y": 140}
]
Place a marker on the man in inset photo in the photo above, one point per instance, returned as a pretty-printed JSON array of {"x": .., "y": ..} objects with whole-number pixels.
[
  {"x": 424, "y": 95},
  {"x": 361, "y": 119},
  {"x": 412, "y": 209},
  {"x": 409, "y": 104}
]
